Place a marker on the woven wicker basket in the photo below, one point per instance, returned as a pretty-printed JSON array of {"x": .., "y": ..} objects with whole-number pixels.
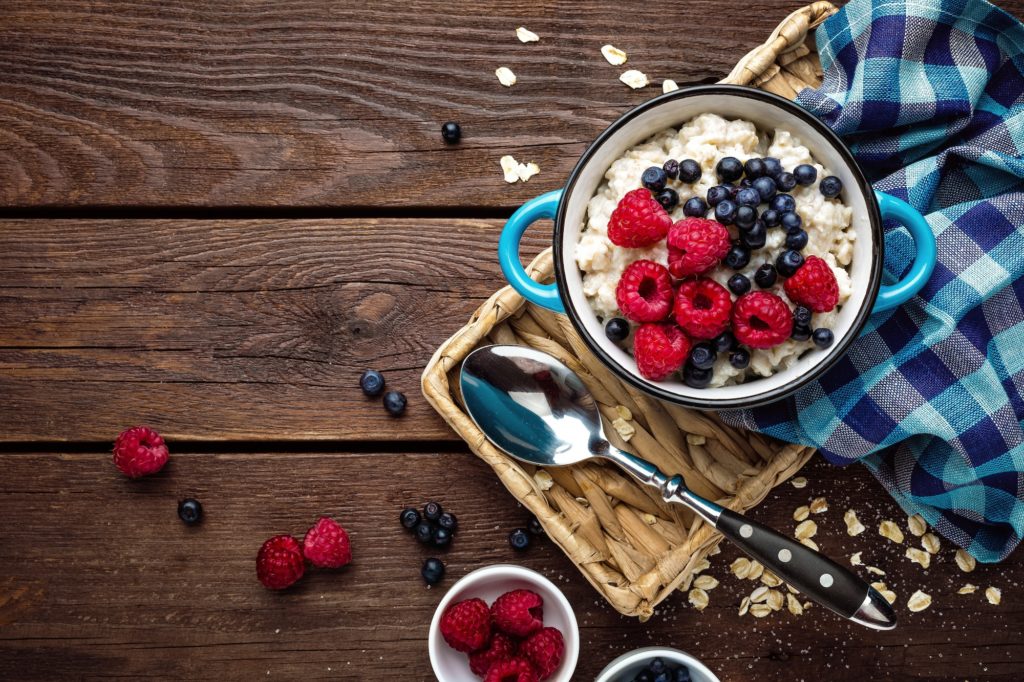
[{"x": 633, "y": 547}]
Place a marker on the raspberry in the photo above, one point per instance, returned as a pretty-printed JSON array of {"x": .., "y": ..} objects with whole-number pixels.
[
  {"x": 761, "y": 320},
  {"x": 279, "y": 563},
  {"x": 139, "y": 451},
  {"x": 639, "y": 220},
  {"x": 502, "y": 648},
  {"x": 702, "y": 308},
  {"x": 696, "y": 245},
  {"x": 518, "y": 613},
  {"x": 545, "y": 650},
  {"x": 659, "y": 350},
  {"x": 644, "y": 292},
  {"x": 326, "y": 544},
  {"x": 466, "y": 625},
  {"x": 512, "y": 670},
  {"x": 814, "y": 285}
]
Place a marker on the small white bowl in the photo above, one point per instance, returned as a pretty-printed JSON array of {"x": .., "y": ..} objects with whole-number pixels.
[
  {"x": 489, "y": 583},
  {"x": 625, "y": 667}
]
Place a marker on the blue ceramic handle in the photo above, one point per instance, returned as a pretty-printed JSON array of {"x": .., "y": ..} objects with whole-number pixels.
[
  {"x": 892, "y": 295},
  {"x": 544, "y": 295}
]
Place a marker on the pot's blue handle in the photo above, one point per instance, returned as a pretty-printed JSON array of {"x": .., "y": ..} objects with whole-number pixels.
[
  {"x": 544, "y": 295},
  {"x": 892, "y": 295}
]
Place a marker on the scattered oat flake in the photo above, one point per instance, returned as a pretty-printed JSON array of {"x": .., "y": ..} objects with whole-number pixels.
[
  {"x": 623, "y": 412},
  {"x": 706, "y": 582},
  {"x": 965, "y": 561},
  {"x": 756, "y": 570},
  {"x": 930, "y": 542},
  {"x": 650, "y": 519},
  {"x": 884, "y": 590},
  {"x": 919, "y": 601},
  {"x": 807, "y": 542},
  {"x": 799, "y": 482},
  {"x": 543, "y": 479},
  {"x": 770, "y": 579},
  {"x": 759, "y": 594},
  {"x": 702, "y": 566},
  {"x": 853, "y": 525},
  {"x": 917, "y": 525},
  {"x": 668, "y": 85},
  {"x": 635, "y": 79},
  {"x": 874, "y": 569},
  {"x": 819, "y": 505},
  {"x": 740, "y": 567},
  {"x": 625, "y": 429},
  {"x": 614, "y": 55},
  {"x": 698, "y": 598},
  {"x": 801, "y": 513},
  {"x": 776, "y": 600},
  {"x": 793, "y": 604},
  {"x": 760, "y": 610},
  {"x": 968, "y": 588},
  {"x": 510, "y": 167},
  {"x": 855, "y": 559},
  {"x": 526, "y": 36},
  {"x": 695, "y": 439},
  {"x": 583, "y": 502},
  {"x": 525, "y": 171},
  {"x": 994, "y": 595},
  {"x": 806, "y": 529},
  {"x": 744, "y": 606},
  {"x": 889, "y": 530},
  {"x": 505, "y": 76},
  {"x": 919, "y": 556}
]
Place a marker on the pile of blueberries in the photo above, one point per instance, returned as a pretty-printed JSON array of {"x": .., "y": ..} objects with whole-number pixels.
[
  {"x": 434, "y": 527},
  {"x": 372, "y": 383},
  {"x": 660, "y": 671}
]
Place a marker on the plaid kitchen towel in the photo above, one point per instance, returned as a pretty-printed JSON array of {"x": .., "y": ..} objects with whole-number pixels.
[{"x": 930, "y": 97}]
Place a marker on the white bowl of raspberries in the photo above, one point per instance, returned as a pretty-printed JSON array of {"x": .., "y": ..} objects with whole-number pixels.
[{"x": 504, "y": 622}]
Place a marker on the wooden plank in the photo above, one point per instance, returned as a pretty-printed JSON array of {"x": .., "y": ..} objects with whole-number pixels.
[
  {"x": 222, "y": 330},
  {"x": 100, "y": 579},
  {"x": 327, "y": 104}
]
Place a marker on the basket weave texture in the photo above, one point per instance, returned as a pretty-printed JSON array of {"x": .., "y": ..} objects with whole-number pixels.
[{"x": 634, "y": 548}]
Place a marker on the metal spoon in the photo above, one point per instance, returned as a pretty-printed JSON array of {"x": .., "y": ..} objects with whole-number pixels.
[{"x": 539, "y": 411}]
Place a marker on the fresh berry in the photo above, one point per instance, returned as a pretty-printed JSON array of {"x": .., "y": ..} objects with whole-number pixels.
[
  {"x": 448, "y": 521},
  {"x": 739, "y": 284},
  {"x": 432, "y": 511},
  {"x": 671, "y": 168},
  {"x": 738, "y": 256},
  {"x": 766, "y": 276},
  {"x": 689, "y": 171},
  {"x": 442, "y": 538},
  {"x": 761, "y": 320},
  {"x": 425, "y": 532},
  {"x": 800, "y": 332},
  {"x": 466, "y": 625},
  {"x": 754, "y": 168},
  {"x": 326, "y": 544},
  {"x": 519, "y": 613},
  {"x": 745, "y": 217},
  {"x": 755, "y": 237},
  {"x": 535, "y": 527},
  {"x": 372, "y": 383},
  {"x": 657, "y": 666},
  {"x": 788, "y": 262},
  {"x": 814, "y": 285},
  {"x": 723, "y": 342},
  {"x": 791, "y": 221},
  {"x": 725, "y": 211},
  {"x": 805, "y": 174},
  {"x": 638, "y": 220},
  {"x": 644, "y": 292},
  {"x": 796, "y": 240},
  {"x": 519, "y": 540},
  {"x": 702, "y": 356},
  {"x": 668, "y": 198},
  {"x": 702, "y": 308},
  {"x": 140, "y": 451},
  {"x": 451, "y": 132},
  {"x": 823, "y": 338},
  {"x": 770, "y": 218},
  {"x": 659, "y": 350},
  {"x": 279, "y": 562},
  {"x": 432, "y": 571},
  {"x": 785, "y": 181},
  {"x": 190, "y": 511},
  {"x": 782, "y": 203},
  {"x": 830, "y": 187},
  {"x": 772, "y": 166},
  {"x": 765, "y": 188},
  {"x": 545, "y": 650},
  {"x": 740, "y": 358},
  {"x": 695, "y": 377},
  {"x": 695, "y": 207},
  {"x": 654, "y": 179},
  {"x": 729, "y": 169},
  {"x": 394, "y": 403},
  {"x": 512, "y": 670},
  {"x": 802, "y": 315},
  {"x": 616, "y": 329},
  {"x": 718, "y": 194},
  {"x": 748, "y": 196},
  {"x": 409, "y": 518},
  {"x": 502, "y": 648},
  {"x": 696, "y": 245}
]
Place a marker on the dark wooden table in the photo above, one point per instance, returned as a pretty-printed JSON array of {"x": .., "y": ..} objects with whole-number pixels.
[{"x": 213, "y": 217}]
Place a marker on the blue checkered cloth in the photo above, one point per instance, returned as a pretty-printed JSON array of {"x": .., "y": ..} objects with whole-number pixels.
[{"x": 930, "y": 97}]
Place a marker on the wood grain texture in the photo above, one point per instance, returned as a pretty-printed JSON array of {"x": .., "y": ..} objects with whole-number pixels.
[
  {"x": 99, "y": 579},
  {"x": 231, "y": 329}
]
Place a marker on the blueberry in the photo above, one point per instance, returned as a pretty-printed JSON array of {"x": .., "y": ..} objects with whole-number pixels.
[
  {"x": 770, "y": 218},
  {"x": 726, "y": 341},
  {"x": 772, "y": 166},
  {"x": 782, "y": 203},
  {"x": 432, "y": 511},
  {"x": 718, "y": 194},
  {"x": 745, "y": 217},
  {"x": 791, "y": 221},
  {"x": 823, "y": 338},
  {"x": 682, "y": 674},
  {"x": 616, "y": 329},
  {"x": 734, "y": 190},
  {"x": 451, "y": 132},
  {"x": 425, "y": 532},
  {"x": 755, "y": 237},
  {"x": 442, "y": 537},
  {"x": 725, "y": 211},
  {"x": 695, "y": 207},
  {"x": 448, "y": 522},
  {"x": 657, "y": 666},
  {"x": 671, "y": 168},
  {"x": 754, "y": 168},
  {"x": 765, "y": 188},
  {"x": 830, "y": 186},
  {"x": 534, "y": 527},
  {"x": 738, "y": 257},
  {"x": 372, "y": 383},
  {"x": 739, "y": 284},
  {"x": 739, "y": 358},
  {"x": 519, "y": 540},
  {"x": 654, "y": 179},
  {"x": 394, "y": 403},
  {"x": 409, "y": 518},
  {"x": 785, "y": 181},
  {"x": 788, "y": 262},
  {"x": 702, "y": 356},
  {"x": 668, "y": 198},
  {"x": 689, "y": 171},
  {"x": 802, "y": 315},
  {"x": 797, "y": 240},
  {"x": 695, "y": 377},
  {"x": 766, "y": 276},
  {"x": 729, "y": 169},
  {"x": 432, "y": 571},
  {"x": 748, "y": 196},
  {"x": 190, "y": 511},
  {"x": 800, "y": 332},
  {"x": 805, "y": 174}
]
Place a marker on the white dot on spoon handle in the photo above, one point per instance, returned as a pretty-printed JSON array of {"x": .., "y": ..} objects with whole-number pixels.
[
  {"x": 746, "y": 530},
  {"x": 825, "y": 580}
]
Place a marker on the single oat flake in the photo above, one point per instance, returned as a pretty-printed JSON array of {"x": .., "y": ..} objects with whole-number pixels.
[
  {"x": 874, "y": 569},
  {"x": 625, "y": 429},
  {"x": 799, "y": 482},
  {"x": 965, "y": 561},
  {"x": 819, "y": 505},
  {"x": 543, "y": 479},
  {"x": 614, "y": 55},
  {"x": 884, "y": 590},
  {"x": 527, "y": 170},
  {"x": 702, "y": 566},
  {"x": 706, "y": 582},
  {"x": 635, "y": 79},
  {"x": 968, "y": 588},
  {"x": 801, "y": 513},
  {"x": 770, "y": 579},
  {"x": 917, "y": 525},
  {"x": 756, "y": 570},
  {"x": 759, "y": 594},
  {"x": 793, "y": 604},
  {"x": 855, "y": 559},
  {"x": 695, "y": 439},
  {"x": 526, "y": 36},
  {"x": 853, "y": 525},
  {"x": 919, "y": 601},
  {"x": 889, "y": 530},
  {"x": 510, "y": 167},
  {"x": 650, "y": 519},
  {"x": 930, "y": 542},
  {"x": 744, "y": 606},
  {"x": 740, "y": 567},
  {"x": 994, "y": 595},
  {"x": 919, "y": 556},
  {"x": 760, "y": 610},
  {"x": 807, "y": 542},
  {"x": 776, "y": 600},
  {"x": 668, "y": 85},
  {"x": 505, "y": 76},
  {"x": 806, "y": 529},
  {"x": 698, "y": 598}
]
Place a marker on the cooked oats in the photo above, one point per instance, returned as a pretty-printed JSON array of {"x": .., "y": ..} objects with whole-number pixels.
[
  {"x": 853, "y": 524},
  {"x": 614, "y": 55},
  {"x": 889, "y": 530},
  {"x": 526, "y": 36},
  {"x": 919, "y": 601}
]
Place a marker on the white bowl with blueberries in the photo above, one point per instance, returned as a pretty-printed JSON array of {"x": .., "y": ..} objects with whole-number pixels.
[{"x": 656, "y": 664}]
